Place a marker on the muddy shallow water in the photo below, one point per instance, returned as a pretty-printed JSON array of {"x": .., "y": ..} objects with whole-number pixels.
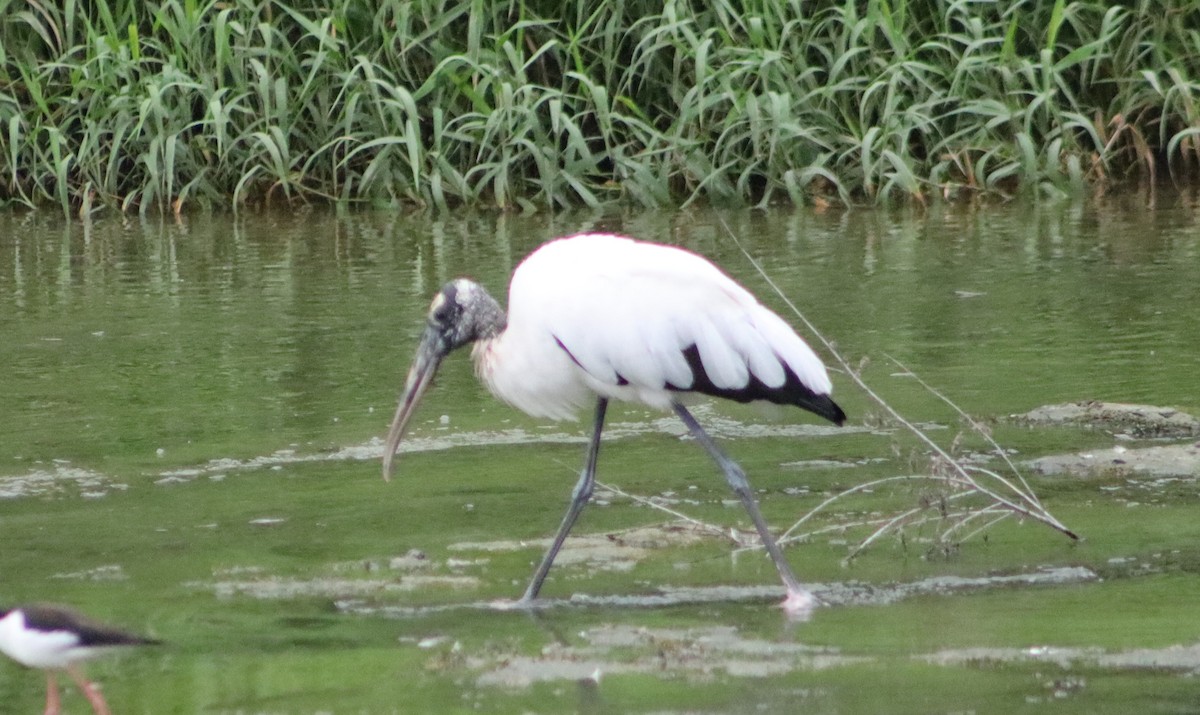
[{"x": 190, "y": 448}]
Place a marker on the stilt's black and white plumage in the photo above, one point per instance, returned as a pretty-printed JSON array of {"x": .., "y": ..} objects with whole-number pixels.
[
  {"x": 54, "y": 638},
  {"x": 601, "y": 317}
]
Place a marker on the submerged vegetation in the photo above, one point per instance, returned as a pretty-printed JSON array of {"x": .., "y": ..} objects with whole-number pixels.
[{"x": 533, "y": 104}]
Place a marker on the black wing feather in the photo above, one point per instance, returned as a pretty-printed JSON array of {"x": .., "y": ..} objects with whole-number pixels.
[{"x": 791, "y": 392}]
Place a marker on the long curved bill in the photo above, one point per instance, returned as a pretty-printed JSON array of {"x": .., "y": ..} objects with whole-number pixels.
[{"x": 425, "y": 364}]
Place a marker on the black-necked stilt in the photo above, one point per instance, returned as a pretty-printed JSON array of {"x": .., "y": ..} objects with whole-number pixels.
[
  {"x": 55, "y": 638},
  {"x": 600, "y": 317}
]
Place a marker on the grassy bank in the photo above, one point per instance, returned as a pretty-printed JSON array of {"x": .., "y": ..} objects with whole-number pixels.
[{"x": 537, "y": 104}]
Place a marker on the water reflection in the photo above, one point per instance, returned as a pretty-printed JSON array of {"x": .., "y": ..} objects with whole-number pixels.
[
  {"x": 169, "y": 384},
  {"x": 239, "y": 333}
]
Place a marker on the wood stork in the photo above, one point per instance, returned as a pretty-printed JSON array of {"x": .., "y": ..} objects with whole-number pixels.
[
  {"x": 604, "y": 317},
  {"x": 55, "y": 638}
]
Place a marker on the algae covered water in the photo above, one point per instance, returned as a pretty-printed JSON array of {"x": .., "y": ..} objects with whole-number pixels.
[{"x": 189, "y": 447}]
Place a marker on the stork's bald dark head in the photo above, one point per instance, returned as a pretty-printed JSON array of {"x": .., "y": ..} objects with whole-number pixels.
[{"x": 463, "y": 312}]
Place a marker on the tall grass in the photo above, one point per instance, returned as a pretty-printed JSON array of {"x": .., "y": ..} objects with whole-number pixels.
[{"x": 537, "y": 104}]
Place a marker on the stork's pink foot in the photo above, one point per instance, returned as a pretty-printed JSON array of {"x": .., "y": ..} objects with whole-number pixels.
[{"x": 799, "y": 604}]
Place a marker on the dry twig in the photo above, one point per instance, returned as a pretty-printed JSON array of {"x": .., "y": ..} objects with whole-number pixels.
[{"x": 1005, "y": 497}]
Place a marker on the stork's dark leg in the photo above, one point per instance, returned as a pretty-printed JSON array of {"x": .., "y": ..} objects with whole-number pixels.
[
  {"x": 579, "y": 499},
  {"x": 736, "y": 478}
]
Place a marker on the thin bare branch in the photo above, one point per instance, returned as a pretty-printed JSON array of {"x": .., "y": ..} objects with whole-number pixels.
[
  {"x": 677, "y": 514},
  {"x": 1023, "y": 502},
  {"x": 975, "y": 425}
]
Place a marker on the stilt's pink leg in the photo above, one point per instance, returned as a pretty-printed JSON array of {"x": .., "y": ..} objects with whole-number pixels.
[
  {"x": 90, "y": 690},
  {"x": 52, "y": 704}
]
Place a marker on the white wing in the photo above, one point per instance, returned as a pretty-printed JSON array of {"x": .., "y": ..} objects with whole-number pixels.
[{"x": 642, "y": 320}]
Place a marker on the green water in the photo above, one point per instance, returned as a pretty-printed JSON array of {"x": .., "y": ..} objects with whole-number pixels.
[{"x": 187, "y": 449}]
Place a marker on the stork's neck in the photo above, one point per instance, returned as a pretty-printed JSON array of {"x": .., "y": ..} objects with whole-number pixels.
[{"x": 483, "y": 354}]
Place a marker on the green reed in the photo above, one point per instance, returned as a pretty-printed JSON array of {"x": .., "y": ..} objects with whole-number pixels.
[{"x": 535, "y": 104}]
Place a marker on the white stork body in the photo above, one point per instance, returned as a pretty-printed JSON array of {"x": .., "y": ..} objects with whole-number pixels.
[{"x": 602, "y": 317}]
